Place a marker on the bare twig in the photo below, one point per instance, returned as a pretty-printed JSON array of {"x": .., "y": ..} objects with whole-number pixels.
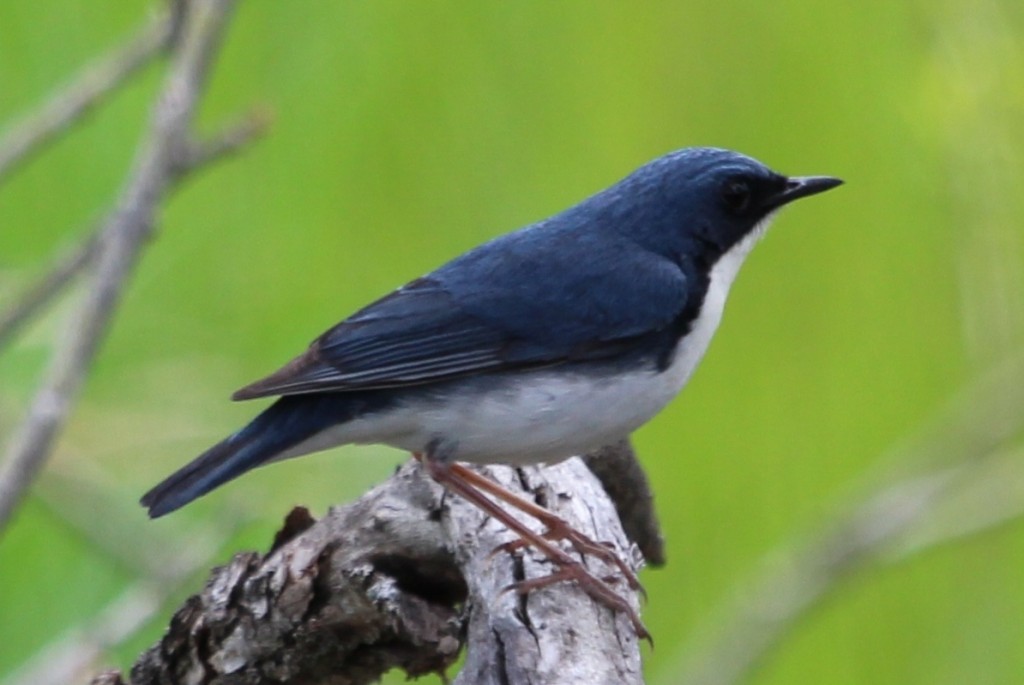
[
  {"x": 46, "y": 289},
  {"x": 227, "y": 141},
  {"x": 51, "y": 284},
  {"x": 123, "y": 235},
  {"x": 90, "y": 87},
  {"x": 797, "y": 578}
]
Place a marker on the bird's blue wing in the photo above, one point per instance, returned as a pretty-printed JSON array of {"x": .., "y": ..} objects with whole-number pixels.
[{"x": 493, "y": 309}]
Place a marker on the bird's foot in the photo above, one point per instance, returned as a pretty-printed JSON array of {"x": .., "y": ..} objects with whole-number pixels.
[
  {"x": 598, "y": 589},
  {"x": 585, "y": 546},
  {"x": 557, "y": 527},
  {"x": 472, "y": 486}
]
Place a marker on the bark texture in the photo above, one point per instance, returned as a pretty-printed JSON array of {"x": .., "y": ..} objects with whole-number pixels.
[{"x": 404, "y": 578}]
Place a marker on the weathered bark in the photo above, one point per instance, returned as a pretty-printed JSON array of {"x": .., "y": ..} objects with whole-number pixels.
[
  {"x": 401, "y": 579},
  {"x": 554, "y": 635}
]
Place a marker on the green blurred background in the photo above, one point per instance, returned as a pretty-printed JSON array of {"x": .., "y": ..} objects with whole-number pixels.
[{"x": 405, "y": 133}]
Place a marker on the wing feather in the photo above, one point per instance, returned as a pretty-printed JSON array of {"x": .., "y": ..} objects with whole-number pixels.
[
  {"x": 486, "y": 312},
  {"x": 414, "y": 335}
]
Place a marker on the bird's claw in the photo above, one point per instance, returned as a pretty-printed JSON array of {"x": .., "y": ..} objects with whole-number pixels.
[
  {"x": 605, "y": 551},
  {"x": 595, "y": 587}
]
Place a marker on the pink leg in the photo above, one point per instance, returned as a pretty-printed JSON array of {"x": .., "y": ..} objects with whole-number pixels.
[
  {"x": 558, "y": 529},
  {"x": 455, "y": 478}
]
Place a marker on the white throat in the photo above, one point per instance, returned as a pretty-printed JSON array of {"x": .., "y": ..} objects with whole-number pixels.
[
  {"x": 692, "y": 346},
  {"x": 723, "y": 273}
]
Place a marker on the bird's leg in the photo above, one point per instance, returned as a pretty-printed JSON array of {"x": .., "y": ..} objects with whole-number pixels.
[
  {"x": 447, "y": 475},
  {"x": 557, "y": 528}
]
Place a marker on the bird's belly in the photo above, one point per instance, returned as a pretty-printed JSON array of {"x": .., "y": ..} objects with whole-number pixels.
[
  {"x": 538, "y": 416},
  {"x": 542, "y": 417}
]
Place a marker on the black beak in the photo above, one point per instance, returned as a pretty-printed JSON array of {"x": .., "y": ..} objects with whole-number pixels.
[{"x": 802, "y": 186}]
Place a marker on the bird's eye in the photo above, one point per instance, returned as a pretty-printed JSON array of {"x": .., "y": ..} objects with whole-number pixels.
[{"x": 736, "y": 194}]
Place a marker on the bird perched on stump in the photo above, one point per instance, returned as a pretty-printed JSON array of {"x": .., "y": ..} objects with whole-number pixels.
[{"x": 544, "y": 343}]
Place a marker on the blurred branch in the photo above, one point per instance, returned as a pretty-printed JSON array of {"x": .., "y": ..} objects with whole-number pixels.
[
  {"x": 46, "y": 289},
  {"x": 228, "y": 141},
  {"x": 979, "y": 503},
  {"x": 797, "y": 579},
  {"x": 67, "y": 105},
  {"x": 63, "y": 271},
  {"x": 124, "y": 232},
  {"x": 164, "y": 559},
  {"x": 385, "y": 581},
  {"x": 982, "y": 181},
  {"x": 68, "y": 659},
  {"x": 130, "y": 541}
]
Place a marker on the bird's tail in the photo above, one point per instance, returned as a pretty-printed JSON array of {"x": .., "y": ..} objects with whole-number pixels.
[{"x": 272, "y": 435}]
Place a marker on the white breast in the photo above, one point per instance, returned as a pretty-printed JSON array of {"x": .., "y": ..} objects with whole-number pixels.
[
  {"x": 545, "y": 415},
  {"x": 692, "y": 347}
]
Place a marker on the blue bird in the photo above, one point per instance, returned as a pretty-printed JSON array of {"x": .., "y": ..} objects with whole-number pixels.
[{"x": 544, "y": 343}]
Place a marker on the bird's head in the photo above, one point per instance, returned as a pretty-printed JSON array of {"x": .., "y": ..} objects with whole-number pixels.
[{"x": 705, "y": 200}]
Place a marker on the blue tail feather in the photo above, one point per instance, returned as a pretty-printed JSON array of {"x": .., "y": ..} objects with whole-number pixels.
[{"x": 283, "y": 425}]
